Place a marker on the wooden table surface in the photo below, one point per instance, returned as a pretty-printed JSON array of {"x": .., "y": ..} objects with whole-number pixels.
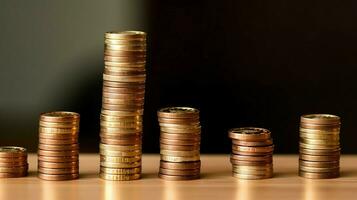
[{"x": 216, "y": 183}]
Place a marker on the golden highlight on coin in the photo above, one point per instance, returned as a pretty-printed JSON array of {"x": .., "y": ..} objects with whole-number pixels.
[
  {"x": 319, "y": 146},
  {"x": 252, "y": 151},
  {"x": 180, "y": 140},
  {"x": 58, "y": 148},
  {"x": 123, "y": 97}
]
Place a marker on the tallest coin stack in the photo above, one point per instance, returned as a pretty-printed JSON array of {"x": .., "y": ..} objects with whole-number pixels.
[{"x": 122, "y": 105}]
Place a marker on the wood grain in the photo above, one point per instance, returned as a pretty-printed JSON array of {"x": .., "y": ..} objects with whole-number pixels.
[{"x": 216, "y": 183}]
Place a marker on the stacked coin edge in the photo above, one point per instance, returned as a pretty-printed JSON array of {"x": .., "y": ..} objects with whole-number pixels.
[
  {"x": 122, "y": 105},
  {"x": 252, "y": 151},
  {"x": 13, "y": 162},
  {"x": 180, "y": 138}
]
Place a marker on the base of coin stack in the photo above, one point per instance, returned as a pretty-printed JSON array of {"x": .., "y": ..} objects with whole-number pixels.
[
  {"x": 122, "y": 105},
  {"x": 58, "y": 149},
  {"x": 319, "y": 146},
  {"x": 252, "y": 151},
  {"x": 180, "y": 139},
  {"x": 13, "y": 162}
]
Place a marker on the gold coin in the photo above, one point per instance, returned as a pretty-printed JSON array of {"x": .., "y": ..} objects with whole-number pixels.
[
  {"x": 119, "y": 159},
  {"x": 125, "y": 35},
  {"x": 114, "y": 177},
  {"x": 122, "y": 113},
  {"x": 249, "y": 134},
  {"x": 123, "y": 171},
  {"x": 320, "y": 119},
  {"x": 320, "y": 142},
  {"x": 319, "y": 136},
  {"x": 180, "y": 153},
  {"x": 120, "y": 153},
  {"x": 119, "y": 148},
  {"x": 252, "y": 177},
  {"x": 120, "y": 165},
  {"x": 178, "y": 112},
  {"x": 125, "y": 65},
  {"x": 179, "y": 158},
  {"x": 318, "y": 170},
  {"x": 314, "y": 146},
  {"x": 59, "y": 116}
]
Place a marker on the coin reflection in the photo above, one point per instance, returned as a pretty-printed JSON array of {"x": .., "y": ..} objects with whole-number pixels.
[
  {"x": 51, "y": 190},
  {"x": 170, "y": 191},
  {"x": 245, "y": 190}
]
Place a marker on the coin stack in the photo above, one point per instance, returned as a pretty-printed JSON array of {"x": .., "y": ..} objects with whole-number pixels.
[
  {"x": 13, "y": 162},
  {"x": 252, "y": 153},
  {"x": 122, "y": 105},
  {"x": 180, "y": 138},
  {"x": 319, "y": 146},
  {"x": 58, "y": 146}
]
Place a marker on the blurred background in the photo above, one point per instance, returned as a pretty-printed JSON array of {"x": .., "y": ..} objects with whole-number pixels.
[{"x": 242, "y": 63}]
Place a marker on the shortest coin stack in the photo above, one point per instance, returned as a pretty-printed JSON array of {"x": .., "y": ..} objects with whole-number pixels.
[
  {"x": 58, "y": 146},
  {"x": 180, "y": 140},
  {"x": 319, "y": 146},
  {"x": 252, "y": 153},
  {"x": 13, "y": 162}
]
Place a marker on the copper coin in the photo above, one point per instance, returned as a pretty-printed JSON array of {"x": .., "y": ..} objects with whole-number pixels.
[
  {"x": 319, "y": 142},
  {"x": 180, "y": 147},
  {"x": 120, "y": 142},
  {"x": 52, "y": 147},
  {"x": 319, "y": 158},
  {"x": 17, "y": 169},
  {"x": 174, "y": 172},
  {"x": 72, "y": 170},
  {"x": 57, "y": 165},
  {"x": 71, "y": 124},
  {"x": 193, "y": 120},
  {"x": 59, "y": 141},
  {"x": 52, "y": 136},
  {"x": 13, "y": 175},
  {"x": 252, "y": 158},
  {"x": 184, "y": 137},
  {"x": 122, "y": 84},
  {"x": 57, "y": 159},
  {"x": 57, "y": 153},
  {"x": 320, "y": 119},
  {"x": 124, "y": 96},
  {"x": 252, "y": 143},
  {"x": 59, "y": 116},
  {"x": 123, "y": 90},
  {"x": 180, "y": 166},
  {"x": 179, "y": 142},
  {"x": 119, "y": 147},
  {"x": 180, "y": 153},
  {"x": 179, "y": 178},
  {"x": 190, "y": 125},
  {"x": 243, "y": 153},
  {"x": 119, "y": 107},
  {"x": 265, "y": 149},
  {"x": 121, "y": 119},
  {"x": 318, "y": 147},
  {"x": 12, "y": 151},
  {"x": 125, "y": 53},
  {"x": 319, "y": 164},
  {"x": 13, "y": 159},
  {"x": 250, "y": 163},
  {"x": 14, "y": 164},
  {"x": 325, "y": 175},
  {"x": 123, "y": 101},
  {"x": 179, "y": 158},
  {"x": 58, "y": 177},
  {"x": 125, "y": 35},
  {"x": 196, "y": 130},
  {"x": 319, "y": 152},
  {"x": 136, "y": 136},
  {"x": 178, "y": 112},
  {"x": 120, "y": 131},
  {"x": 120, "y": 153},
  {"x": 124, "y": 59},
  {"x": 249, "y": 134},
  {"x": 120, "y": 165},
  {"x": 319, "y": 169}
]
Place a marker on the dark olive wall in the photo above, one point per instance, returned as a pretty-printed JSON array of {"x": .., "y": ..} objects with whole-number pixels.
[{"x": 242, "y": 63}]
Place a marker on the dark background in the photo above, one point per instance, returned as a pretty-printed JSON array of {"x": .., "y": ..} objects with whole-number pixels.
[{"x": 242, "y": 63}]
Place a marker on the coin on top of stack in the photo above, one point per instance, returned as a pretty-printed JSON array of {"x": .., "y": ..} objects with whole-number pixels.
[
  {"x": 252, "y": 153},
  {"x": 319, "y": 146},
  {"x": 180, "y": 138},
  {"x": 58, "y": 148},
  {"x": 122, "y": 105},
  {"x": 13, "y": 162}
]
